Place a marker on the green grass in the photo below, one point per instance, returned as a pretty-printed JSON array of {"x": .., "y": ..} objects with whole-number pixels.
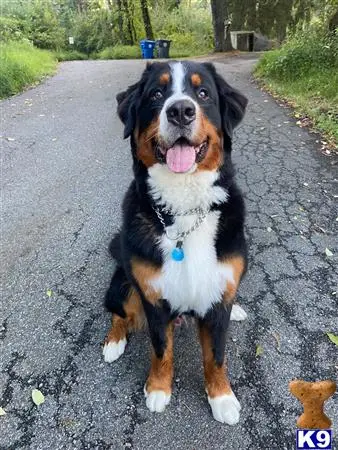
[
  {"x": 181, "y": 47},
  {"x": 188, "y": 45},
  {"x": 305, "y": 73},
  {"x": 70, "y": 55},
  {"x": 21, "y": 65},
  {"x": 119, "y": 52}
]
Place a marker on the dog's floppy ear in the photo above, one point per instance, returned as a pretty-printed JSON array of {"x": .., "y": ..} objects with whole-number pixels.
[
  {"x": 126, "y": 108},
  {"x": 128, "y": 100},
  {"x": 232, "y": 102}
]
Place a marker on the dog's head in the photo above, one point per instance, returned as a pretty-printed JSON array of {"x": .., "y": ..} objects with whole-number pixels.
[{"x": 181, "y": 114}]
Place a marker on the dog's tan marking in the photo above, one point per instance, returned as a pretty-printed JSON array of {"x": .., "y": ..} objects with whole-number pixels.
[
  {"x": 162, "y": 369},
  {"x": 164, "y": 78},
  {"x": 135, "y": 318},
  {"x": 144, "y": 273},
  {"x": 196, "y": 79},
  {"x": 214, "y": 157},
  {"x": 145, "y": 151},
  {"x": 216, "y": 379},
  {"x": 237, "y": 264}
]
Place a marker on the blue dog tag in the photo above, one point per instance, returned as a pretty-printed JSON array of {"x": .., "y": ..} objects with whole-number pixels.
[{"x": 178, "y": 254}]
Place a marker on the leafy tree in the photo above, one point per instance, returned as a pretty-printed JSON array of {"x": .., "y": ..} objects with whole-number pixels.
[{"x": 44, "y": 26}]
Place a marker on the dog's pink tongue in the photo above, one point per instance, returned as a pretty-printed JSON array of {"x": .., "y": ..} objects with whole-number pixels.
[{"x": 180, "y": 158}]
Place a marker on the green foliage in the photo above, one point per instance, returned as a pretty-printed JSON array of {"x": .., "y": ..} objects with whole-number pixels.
[
  {"x": 11, "y": 29},
  {"x": 70, "y": 55},
  {"x": 93, "y": 31},
  {"x": 189, "y": 29},
  {"x": 307, "y": 51},
  {"x": 120, "y": 52},
  {"x": 188, "y": 45},
  {"x": 305, "y": 70},
  {"x": 44, "y": 26},
  {"x": 22, "y": 64}
]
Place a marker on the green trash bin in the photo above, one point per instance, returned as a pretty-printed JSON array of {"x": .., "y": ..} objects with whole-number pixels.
[{"x": 163, "y": 46}]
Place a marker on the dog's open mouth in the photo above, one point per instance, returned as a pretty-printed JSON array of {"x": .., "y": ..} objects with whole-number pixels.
[{"x": 182, "y": 155}]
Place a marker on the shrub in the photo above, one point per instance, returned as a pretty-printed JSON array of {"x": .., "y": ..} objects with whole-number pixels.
[
  {"x": 11, "y": 29},
  {"x": 70, "y": 55},
  {"x": 306, "y": 51},
  {"x": 189, "y": 29},
  {"x": 305, "y": 70},
  {"x": 22, "y": 64},
  {"x": 120, "y": 52},
  {"x": 184, "y": 45},
  {"x": 93, "y": 31},
  {"x": 44, "y": 26}
]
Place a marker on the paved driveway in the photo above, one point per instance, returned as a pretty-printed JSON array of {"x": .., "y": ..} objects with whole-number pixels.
[{"x": 65, "y": 169}]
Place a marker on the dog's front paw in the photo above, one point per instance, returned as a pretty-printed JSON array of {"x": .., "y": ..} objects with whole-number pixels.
[
  {"x": 237, "y": 313},
  {"x": 113, "y": 350},
  {"x": 156, "y": 401},
  {"x": 225, "y": 408}
]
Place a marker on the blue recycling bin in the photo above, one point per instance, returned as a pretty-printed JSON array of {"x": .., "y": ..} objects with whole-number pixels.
[{"x": 147, "y": 48}]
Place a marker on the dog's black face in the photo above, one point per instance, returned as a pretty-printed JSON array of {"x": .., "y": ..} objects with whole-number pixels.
[{"x": 181, "y": 114}]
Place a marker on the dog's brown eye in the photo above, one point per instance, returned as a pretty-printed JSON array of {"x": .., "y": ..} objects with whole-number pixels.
[
  {"x": 157, "y": 95},
  {"x": 203, "y": 94}
]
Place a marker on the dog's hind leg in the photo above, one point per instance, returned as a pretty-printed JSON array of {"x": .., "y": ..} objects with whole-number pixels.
[{"x": 125, "y": 304}]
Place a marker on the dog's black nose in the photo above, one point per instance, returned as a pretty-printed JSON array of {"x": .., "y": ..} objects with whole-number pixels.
[{"x": 181, "y": 113}]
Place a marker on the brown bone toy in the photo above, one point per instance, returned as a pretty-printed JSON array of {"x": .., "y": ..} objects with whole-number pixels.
[{"x": 313, "y": 396}]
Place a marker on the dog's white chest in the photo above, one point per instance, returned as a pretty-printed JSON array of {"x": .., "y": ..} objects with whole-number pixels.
[{"x": 197, "y": 282}]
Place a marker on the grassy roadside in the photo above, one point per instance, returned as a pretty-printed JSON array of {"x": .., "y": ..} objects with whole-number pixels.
[
  {"x": 177, "y": 50},
  {"x": 307, "y": 79},
  {"x": 21, "y": 65}
]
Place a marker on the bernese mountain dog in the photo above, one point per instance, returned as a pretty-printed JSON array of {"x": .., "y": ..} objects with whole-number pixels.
[{"x": 181, "y": 248}]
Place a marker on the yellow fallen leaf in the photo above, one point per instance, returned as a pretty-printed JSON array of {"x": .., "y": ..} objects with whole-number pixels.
[
  {"x": 37, "y": 397},
  {"x": 333, "y": 338},
  {"x": 2, "y": 412},
  {"x": 328, "y": 252},
  {"x": 259, "y": 350},
  {"x": 49, "y": 293}
]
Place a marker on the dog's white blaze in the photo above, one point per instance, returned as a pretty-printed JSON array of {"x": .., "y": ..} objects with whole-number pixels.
[
  {"x": 178, "y": 73},
  {"x": 197, "y": 282}
]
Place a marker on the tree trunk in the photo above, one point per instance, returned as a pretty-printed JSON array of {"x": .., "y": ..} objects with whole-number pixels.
[
  {"x": 222, "y": 41},
  {"x": 146, "y": 20},
  {"x": 333, "y": 22},
  {"x": 130, "y": 25},
  {"x": 120, "y": 22},
  {"x": 227, "y": 44}
]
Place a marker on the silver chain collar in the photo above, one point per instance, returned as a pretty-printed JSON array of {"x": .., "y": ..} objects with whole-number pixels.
[{"x": 201, "y": 213}]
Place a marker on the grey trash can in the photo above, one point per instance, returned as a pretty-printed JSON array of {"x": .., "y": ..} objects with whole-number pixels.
[{"x": 163, "y": 46}]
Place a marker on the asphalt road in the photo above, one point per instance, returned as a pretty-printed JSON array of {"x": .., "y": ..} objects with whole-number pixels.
[{"x": 64, "y": 171}]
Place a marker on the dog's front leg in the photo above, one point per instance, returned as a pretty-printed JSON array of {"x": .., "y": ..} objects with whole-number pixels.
[
  {"x": 212, "y": 328},
  {"x": 159, "y": 384},
  {"x": 158, "y": 312}
]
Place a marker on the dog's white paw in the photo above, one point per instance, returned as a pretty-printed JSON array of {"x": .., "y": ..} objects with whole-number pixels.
[
  {"x": 156, "y": 401},
  {"x": 113, "y": 350},
  {"x": 237, "y": 313},
  {"x": 225, "y": 408}
]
